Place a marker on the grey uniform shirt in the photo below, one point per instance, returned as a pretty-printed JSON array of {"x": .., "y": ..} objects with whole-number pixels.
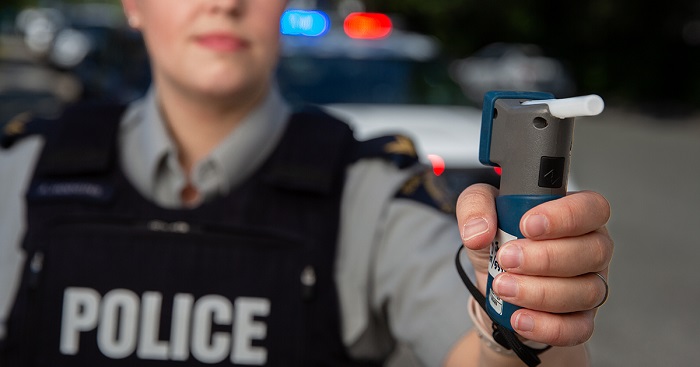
[{"x": 394, "y": 268}]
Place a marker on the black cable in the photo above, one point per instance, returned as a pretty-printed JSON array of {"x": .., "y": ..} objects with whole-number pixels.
[{"x": 506, "y": 338}]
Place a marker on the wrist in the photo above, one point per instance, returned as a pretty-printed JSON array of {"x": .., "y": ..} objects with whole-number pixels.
[
  {"x": 484, "y": 330},
  {"x": 478, "y": 315}
]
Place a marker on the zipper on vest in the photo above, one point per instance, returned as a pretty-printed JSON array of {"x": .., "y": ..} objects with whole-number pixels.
[
  {"x": 308, "y": 283},
  {"x": 174, "y": 227}
]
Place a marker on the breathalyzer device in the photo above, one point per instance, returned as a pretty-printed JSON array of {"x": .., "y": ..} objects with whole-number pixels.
[{"x": 529, "y": 135}]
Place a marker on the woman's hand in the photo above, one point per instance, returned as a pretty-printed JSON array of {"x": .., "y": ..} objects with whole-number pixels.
[{"x": 552, "y": 272}]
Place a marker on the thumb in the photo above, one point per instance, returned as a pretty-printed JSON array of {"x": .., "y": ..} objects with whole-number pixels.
[{"x": 476, "y": 216}]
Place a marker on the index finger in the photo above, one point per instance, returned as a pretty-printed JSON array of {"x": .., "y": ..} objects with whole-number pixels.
[{"x": 573, "y": 215}]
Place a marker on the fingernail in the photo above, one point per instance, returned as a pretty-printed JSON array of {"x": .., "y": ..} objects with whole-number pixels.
[
  {"x": 473, "y": 228},
  {"x": 535, "y": 225},
  {"x": 510, "y": 256},
  {"x": 506, "y": 286},
  {"x": 524, "y": 322}
]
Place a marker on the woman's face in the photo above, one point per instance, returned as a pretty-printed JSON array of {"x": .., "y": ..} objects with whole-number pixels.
[{"x": 210, "y": 48}]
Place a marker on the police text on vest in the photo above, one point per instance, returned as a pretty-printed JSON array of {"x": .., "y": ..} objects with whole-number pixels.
[{"x": 127, "y": 324}]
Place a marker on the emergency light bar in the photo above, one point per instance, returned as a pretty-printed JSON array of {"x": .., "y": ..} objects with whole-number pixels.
[{"x": 316, "y": 23}]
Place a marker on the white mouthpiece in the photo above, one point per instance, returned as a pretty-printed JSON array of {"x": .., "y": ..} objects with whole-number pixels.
[{"x": 589, "y": 105}]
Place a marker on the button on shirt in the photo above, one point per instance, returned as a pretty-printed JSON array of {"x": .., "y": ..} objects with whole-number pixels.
[{"x": 395, "y": 259}]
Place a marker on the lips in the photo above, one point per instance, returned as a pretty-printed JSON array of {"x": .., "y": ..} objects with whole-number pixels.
[{"x": 221, "y": 42}]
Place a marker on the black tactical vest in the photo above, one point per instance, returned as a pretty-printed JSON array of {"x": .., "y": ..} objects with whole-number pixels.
[{"x": 112, "y": 279}]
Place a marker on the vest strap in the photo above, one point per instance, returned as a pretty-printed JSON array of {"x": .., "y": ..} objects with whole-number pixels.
[
  {"x": 83, "y": 141},
  {"x": 313, "y": 153}
]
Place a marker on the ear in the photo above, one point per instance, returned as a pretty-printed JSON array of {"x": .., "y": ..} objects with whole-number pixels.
[{"x": 131, "y": 10}]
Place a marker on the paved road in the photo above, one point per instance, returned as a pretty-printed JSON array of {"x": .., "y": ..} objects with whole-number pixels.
[{"x": 649, "y": 168}]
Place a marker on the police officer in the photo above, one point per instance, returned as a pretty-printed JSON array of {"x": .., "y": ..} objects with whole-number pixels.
[{"x": 209, "y": 224}]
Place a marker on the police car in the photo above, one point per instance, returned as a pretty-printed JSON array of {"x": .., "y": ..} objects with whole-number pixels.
[{"x": 383, "y": 80}]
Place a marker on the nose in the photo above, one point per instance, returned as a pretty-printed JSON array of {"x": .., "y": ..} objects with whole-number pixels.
[{"x": 233, "y": 7}]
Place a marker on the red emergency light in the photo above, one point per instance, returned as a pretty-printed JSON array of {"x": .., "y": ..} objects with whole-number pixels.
[
  {"x": 367, "y": 25},
  {"x": 438, "y": 164}
]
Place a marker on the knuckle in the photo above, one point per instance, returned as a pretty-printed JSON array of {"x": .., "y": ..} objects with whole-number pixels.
[
  {"x": 474, "y": 197},
  {"x": 594, "y": 293},
  {"x": 540, "y": 297},
  {"x": 585, "y": 332},
  {"x": 602, "y": 252},
  {"x": 603, "y": 204},
  {"x": 564, "y": 216},
  {"x": 597, "y": 203},
  {"x": 608, "y": 241},
  {"x": 557, "y": 335},
  {"x": 584, "y": 209},
  {"x": 548, "y": 258},
  {"x": 535, "y": 293},
  {"x": 606, "y": 249},
  {"x": 568, "y": 216},
  {"x": 571, "y": 330},
  {"x": 479, "y": 189},
  {"x": 538, "y": 259}
]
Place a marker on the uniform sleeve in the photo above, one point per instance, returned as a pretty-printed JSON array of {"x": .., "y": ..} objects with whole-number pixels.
[
  {"x": 413, "y": 293},
  {"x": 16, "y": 166},
  {"x": 416, "y": 281}
]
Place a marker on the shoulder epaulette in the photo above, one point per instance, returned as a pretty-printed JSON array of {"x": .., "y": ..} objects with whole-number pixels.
[
  {"x": 21, "y": 126},
  {"x": 397, "y": 149},
  {"x": 424, "y": 187},
  {"x": 81, "y": 139}
]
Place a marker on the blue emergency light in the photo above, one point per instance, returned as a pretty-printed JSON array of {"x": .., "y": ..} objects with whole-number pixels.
[{"x": 309, "y": 23}]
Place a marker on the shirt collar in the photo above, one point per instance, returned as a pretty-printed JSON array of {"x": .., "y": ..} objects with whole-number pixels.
[
  {"x": 149, "y": 154},
  {"x": 145, "y": 144}
]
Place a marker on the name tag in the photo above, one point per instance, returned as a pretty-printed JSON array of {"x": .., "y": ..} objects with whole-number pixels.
[{"x": 81, "y": 190}]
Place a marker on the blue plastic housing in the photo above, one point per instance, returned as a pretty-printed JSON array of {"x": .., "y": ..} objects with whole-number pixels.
[
  {"x": 487, "y": 118},
  {"x": 510, "y": 209}
]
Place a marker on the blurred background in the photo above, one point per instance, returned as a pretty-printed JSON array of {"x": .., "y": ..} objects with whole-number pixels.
[{"x": 421, "y": 68}]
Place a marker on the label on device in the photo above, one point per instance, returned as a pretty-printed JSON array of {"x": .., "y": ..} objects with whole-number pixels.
[{"x": 495, "y": 269}]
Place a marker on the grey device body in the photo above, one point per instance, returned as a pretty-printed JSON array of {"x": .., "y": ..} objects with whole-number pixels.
[{"x": 532, "y": 147}]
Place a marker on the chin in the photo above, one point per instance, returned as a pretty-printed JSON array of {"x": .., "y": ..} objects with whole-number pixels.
[{"x": 223, "y": 89}]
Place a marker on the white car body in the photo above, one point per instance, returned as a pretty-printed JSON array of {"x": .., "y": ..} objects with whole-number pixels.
[{"x": 451, "y": 132}]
